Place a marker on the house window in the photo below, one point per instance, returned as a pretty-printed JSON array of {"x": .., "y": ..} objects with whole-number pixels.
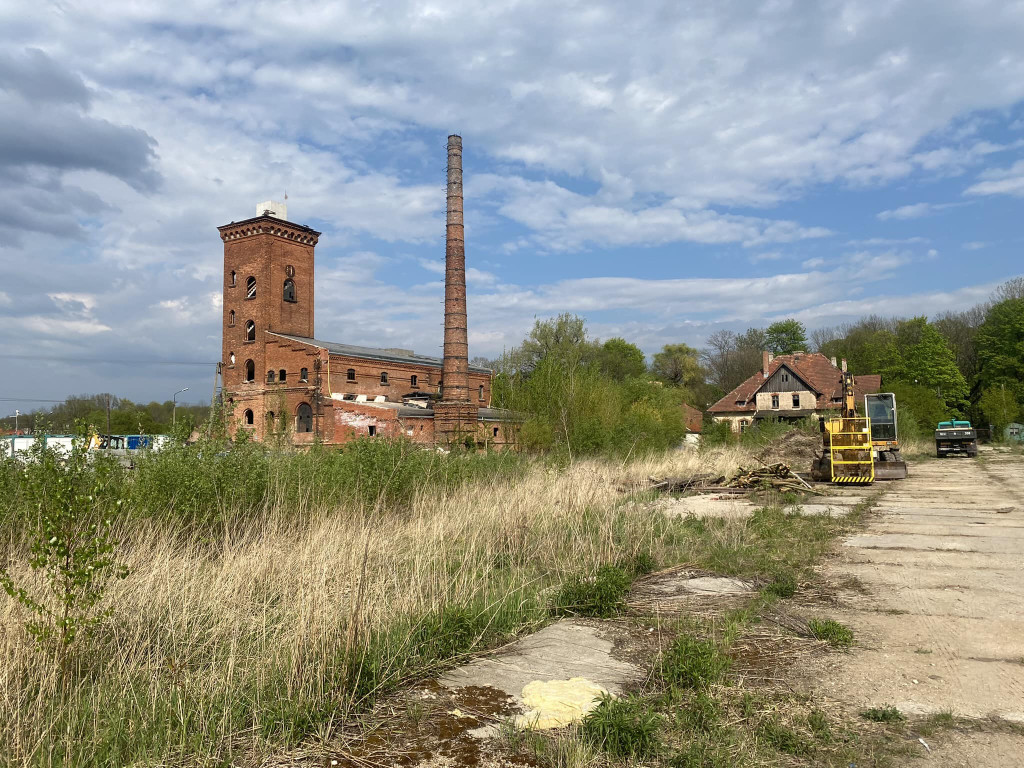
[
  {"x": 289, "y": 290},
  {"x": 231, "y": 317},
  {"x": 282, "y": 375},
  {"x": 785, "y": 377},
  {"x": 372, "y": 429},
  {"x": 413, "y": 380},
  {"x": 270, "y": 377},
  {"x": 796, "y": 401},
  {"x": 250, "y": 288},
  {"x": 304, "y": 418},
  {"x": 232, "y": 283},
  {"x": 775, "y": 401},
  {"x": 250, "y": 331},
  {"x": 303, "y": 374},
  {"x": 481, "y": 395},
  {"x": 383, "y": 377},
  {"x": 350, "y": 375},
  {"x": 250, "y": 370},
  {"x": 248, "y": 417},
  {"x": 743, "y": 425}
]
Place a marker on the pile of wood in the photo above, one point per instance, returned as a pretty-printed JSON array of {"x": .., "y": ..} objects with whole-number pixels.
[{"x": 776, "y": 476}]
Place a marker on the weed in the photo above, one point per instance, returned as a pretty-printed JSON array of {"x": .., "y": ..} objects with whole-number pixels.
[
  {"x": 832, "y": 632},
  {"x": 602, "y": 596},
  {"x": 693, "y": 663},
  {"x": 750, "y": 705},
  {"x": 783, "y": 585},
  {"x": 623, "y": 727},
  {"x": 782, "y": 738},
  {"x": 639, "y": 563},
  {"x": 818, "y": 723},
  {"x": 700, "y": 754},
  {"x": 883, "y": 715},
  {"x": 701, "y": 714}
]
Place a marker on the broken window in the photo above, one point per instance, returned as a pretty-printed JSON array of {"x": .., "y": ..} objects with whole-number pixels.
[
  {"x": 775, "y": 401},
  {"x": 250, "y": 331},
  {"x": 270, "y": 377},
  {"x": 304, "y": 418},
  {"x": 232, "y": 283},
  {"x": 350, "y": 375},
  {"x": 289, "y": 290},
  {"x": 413, "y": 380},
  {"x": 383, "y": 377},
  {"x": 231, "y": 317},
  {"x": 231, "y": 359},
  {"x": 247, "y": 416},
  {"x": 250, "y": 370},
  {"x": 303, "y": 374},
  {"x": 282, "y": 375},
  {"x": 481, "y": 395},
  {"x": 250, "y": 288},
  {"x": 495, "y": 431},
  {"x": 372, "y": 429},
  {"x": 796, "y": 401}
]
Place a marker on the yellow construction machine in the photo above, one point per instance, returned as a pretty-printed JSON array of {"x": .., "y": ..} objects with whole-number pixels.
[
  {"x": 847, "y": 455},
  {"x": 885, "y": 437}
]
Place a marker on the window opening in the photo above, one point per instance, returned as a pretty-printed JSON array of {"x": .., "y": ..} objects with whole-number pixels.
[
  {"x": 372, "y": 430},
  {"x": 796, "y": 401},
  {"x": 248, "y": 416},
  {"x": 232, "y": 278},
  {"x": 775, "y": 401},
  {"x": 282, "y": 375},
  {"x": 250, "y": 370},
  {"x": 250, "y": 331},
  {"x": 495, "y": 431},
  {"x": 383, "y": 377},
  {"x": 231, "y": 317},
  {"x": 289, "y": 290},
  {"x": 304, "y": 418},
  {"x": 303, "y": 374},
  {"x": 413, "y": 380},
  {"x": 350, "y": 375},
  {"x": 481, "y": 396},
  {"x": 270, "y": 377},
  {"x": 231, "y": 359},
  {"x": 250, "y": 288}
]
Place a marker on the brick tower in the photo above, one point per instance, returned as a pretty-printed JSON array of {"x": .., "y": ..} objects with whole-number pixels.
[
  {"x": 455, "y": 415},
  {"x": 268, "y": 286}
]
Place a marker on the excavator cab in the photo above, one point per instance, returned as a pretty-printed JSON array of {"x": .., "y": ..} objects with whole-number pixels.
[
  {"x": 885, "y": 443},
  {"x": 847, "y": 455}
]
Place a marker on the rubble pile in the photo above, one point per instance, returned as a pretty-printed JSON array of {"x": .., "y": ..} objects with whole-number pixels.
[{"x": 776, "y": 476}]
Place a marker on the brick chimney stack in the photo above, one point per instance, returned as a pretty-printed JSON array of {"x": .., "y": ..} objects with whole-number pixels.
[{"x": 456, "y": 344}]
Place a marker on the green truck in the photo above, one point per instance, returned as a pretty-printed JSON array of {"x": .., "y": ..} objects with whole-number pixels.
[{"x": 956, "y": 437}]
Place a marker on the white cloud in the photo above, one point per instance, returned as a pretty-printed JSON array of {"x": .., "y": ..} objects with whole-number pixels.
[
  {"x": 1004, "y": 181},
  {"x": 916, "y": 211},
  {"x": 976, "y": 245},
  {"x": 814, "y": 263}
]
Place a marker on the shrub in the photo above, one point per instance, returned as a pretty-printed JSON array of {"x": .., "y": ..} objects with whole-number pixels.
[
  {"x": 602, "y": 596},
  {"x": 782, "y": 585},
  {"x": 782, "y": 738},
  {"x": 693, "y": 663},
  {"x": 623, "y": 727},
  {"x": 883, "y": 715},
  {"x": 832, "y": 632}
]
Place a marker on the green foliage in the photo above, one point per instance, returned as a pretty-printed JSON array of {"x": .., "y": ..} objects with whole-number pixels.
[
  {"x": 883, "y": 715},
  {"x": 623, "y": 727},
  {"x": 783, "y": 585},
  {"x": 782, "y": 738},
  {"x": 1000, "y": 343},
  {"x": 678, "y": 365},
  {"x": 1000, "y": 404},
  {"x": 786, "y": 337},
  {"x": 918, "y": 408},
  {"x": 717, "y": 433},
  {"x": 832, "y": 632},
  {"x": 928, "y": 360},
  {"x": 693, "y": 663},
  {"x": 602, "y": 596},
  {"x": 620, "y": 360},
  {"x": 68, "y": 502}
]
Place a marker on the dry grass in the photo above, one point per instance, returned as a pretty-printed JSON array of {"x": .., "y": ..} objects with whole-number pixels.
[{"x": 230, "y": 648}]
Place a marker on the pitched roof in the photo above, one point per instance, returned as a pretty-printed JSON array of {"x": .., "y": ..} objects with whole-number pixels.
[
  {"x": 693, "y": 417},
  {"x": 814, "y": 369},
  {"x": 372, "y": 353}
]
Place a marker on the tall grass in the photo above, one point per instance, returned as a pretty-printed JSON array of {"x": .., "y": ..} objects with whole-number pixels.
[{"x": 256, "y": 617}]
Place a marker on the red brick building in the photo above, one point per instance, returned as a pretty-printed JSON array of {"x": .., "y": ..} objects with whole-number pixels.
[{"x": 281, "y": 381}]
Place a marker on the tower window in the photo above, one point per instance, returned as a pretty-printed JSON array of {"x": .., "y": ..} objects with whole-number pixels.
[
  {"x": 413, "y": 380},
  {"x": 270, "y": 377},
  {"x": 282, "y": 375},
  {"x": 250, "y": 331},
  {"x": 303, "y": 374},
  {"x": 250, "y": 288},
  {"x": 304, "y": 418},
  {"x": 250, "y": 370},
  {"x": 350, "y": 374},
  {"x": 289, "y": 290},
  {"x": 231, "y": 359},
  {"x": 481, "y": 395},
  {"x": 231, "y": 317},
  {"x": 232, "y": 283},
  {"x": 247, "y": 416},
  {"x": 383, "y": 377}
]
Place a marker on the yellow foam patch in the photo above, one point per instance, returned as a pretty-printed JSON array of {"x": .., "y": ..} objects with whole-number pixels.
[{"x": 558, "y": 702}]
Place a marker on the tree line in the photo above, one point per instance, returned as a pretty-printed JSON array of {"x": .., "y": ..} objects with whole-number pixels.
[{"x": 125, "y": 416}]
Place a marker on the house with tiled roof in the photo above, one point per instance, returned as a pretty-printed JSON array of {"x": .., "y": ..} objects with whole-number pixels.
[{"x": 789, "y": 388}]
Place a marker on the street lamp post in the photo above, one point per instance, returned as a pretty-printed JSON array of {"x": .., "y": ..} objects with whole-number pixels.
[
  {"x": 174, "y": 407},
  {"x": 17, "y": 413}
]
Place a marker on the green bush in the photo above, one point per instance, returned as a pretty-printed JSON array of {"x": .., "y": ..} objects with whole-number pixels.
[
  {"x": 782, "y": 738},
  {"x": 602, "y": 596},
  {"x": 693, "y": 663},
  {"x": 883, "y": 715},
  {"x": 832, "y": 632},
  {"x": 623, "y": 727}
]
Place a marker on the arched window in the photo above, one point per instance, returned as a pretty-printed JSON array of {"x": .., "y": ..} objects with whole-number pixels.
[
  {"x": 270, "y": 376},
  {"x": 231, "y": 317},
  {"x": 282, "y": 375},
  {"x": 413, "y": 380},
  {"x": 250, "y": 331},
  {"x": 247, "y": 416},
  {"x": 383, "y": 377},
  {"x": 481, "y": 395},
  {"x": 232, "y": 283},
  {"x": 231, "y": 359},
  {"x": 250, "y": 288},
  {"x": 304, "y": 418},
  {"x": 250, "y": 370},
  {"x": 289, "y": 290},
  {"x": 303, "y": 374},
  {"x": 350, "y": 374},
  {"x": 270, "y": 421}
]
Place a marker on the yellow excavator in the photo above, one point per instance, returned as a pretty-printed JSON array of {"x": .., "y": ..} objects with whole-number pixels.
[{"x": 847, "y": 454}]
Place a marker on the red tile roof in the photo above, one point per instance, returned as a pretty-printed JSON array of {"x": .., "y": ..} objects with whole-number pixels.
[
  {"x": 694, "y": 418},
  {"x": 814, "y": 369}
]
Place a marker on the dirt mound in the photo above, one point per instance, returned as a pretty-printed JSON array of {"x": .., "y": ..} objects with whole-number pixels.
[{"x": 796, "y": 448}]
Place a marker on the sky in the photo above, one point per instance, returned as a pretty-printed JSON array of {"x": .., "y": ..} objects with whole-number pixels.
[{"x": 664, "y": 169}]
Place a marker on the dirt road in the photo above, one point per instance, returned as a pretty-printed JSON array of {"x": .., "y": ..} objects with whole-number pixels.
[{"x": 934, "y": 591}]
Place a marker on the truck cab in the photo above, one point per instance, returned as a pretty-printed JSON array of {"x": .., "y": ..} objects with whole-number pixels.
[{"x": 956, "y": 437}]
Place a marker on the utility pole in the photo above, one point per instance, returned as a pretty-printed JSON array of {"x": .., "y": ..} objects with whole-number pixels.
[{"x": 17, "y": 413}]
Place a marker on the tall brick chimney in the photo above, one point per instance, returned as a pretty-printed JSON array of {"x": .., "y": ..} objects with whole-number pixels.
[{"x": 455, "y": 417}]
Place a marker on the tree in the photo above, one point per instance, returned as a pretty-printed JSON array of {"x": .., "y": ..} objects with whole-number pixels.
[
  {"x": 677, "y": 364},
  {"x": 1000, "y": 343},
  {"x": 1000, "y": 405},
  {"x": 562, "y": 338},
  {"x": 786, "y": 337},
  {"x": 928, "y": 360},
  {"x": 730, "y": 358},
  {"x": 619, "y": 360}
]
